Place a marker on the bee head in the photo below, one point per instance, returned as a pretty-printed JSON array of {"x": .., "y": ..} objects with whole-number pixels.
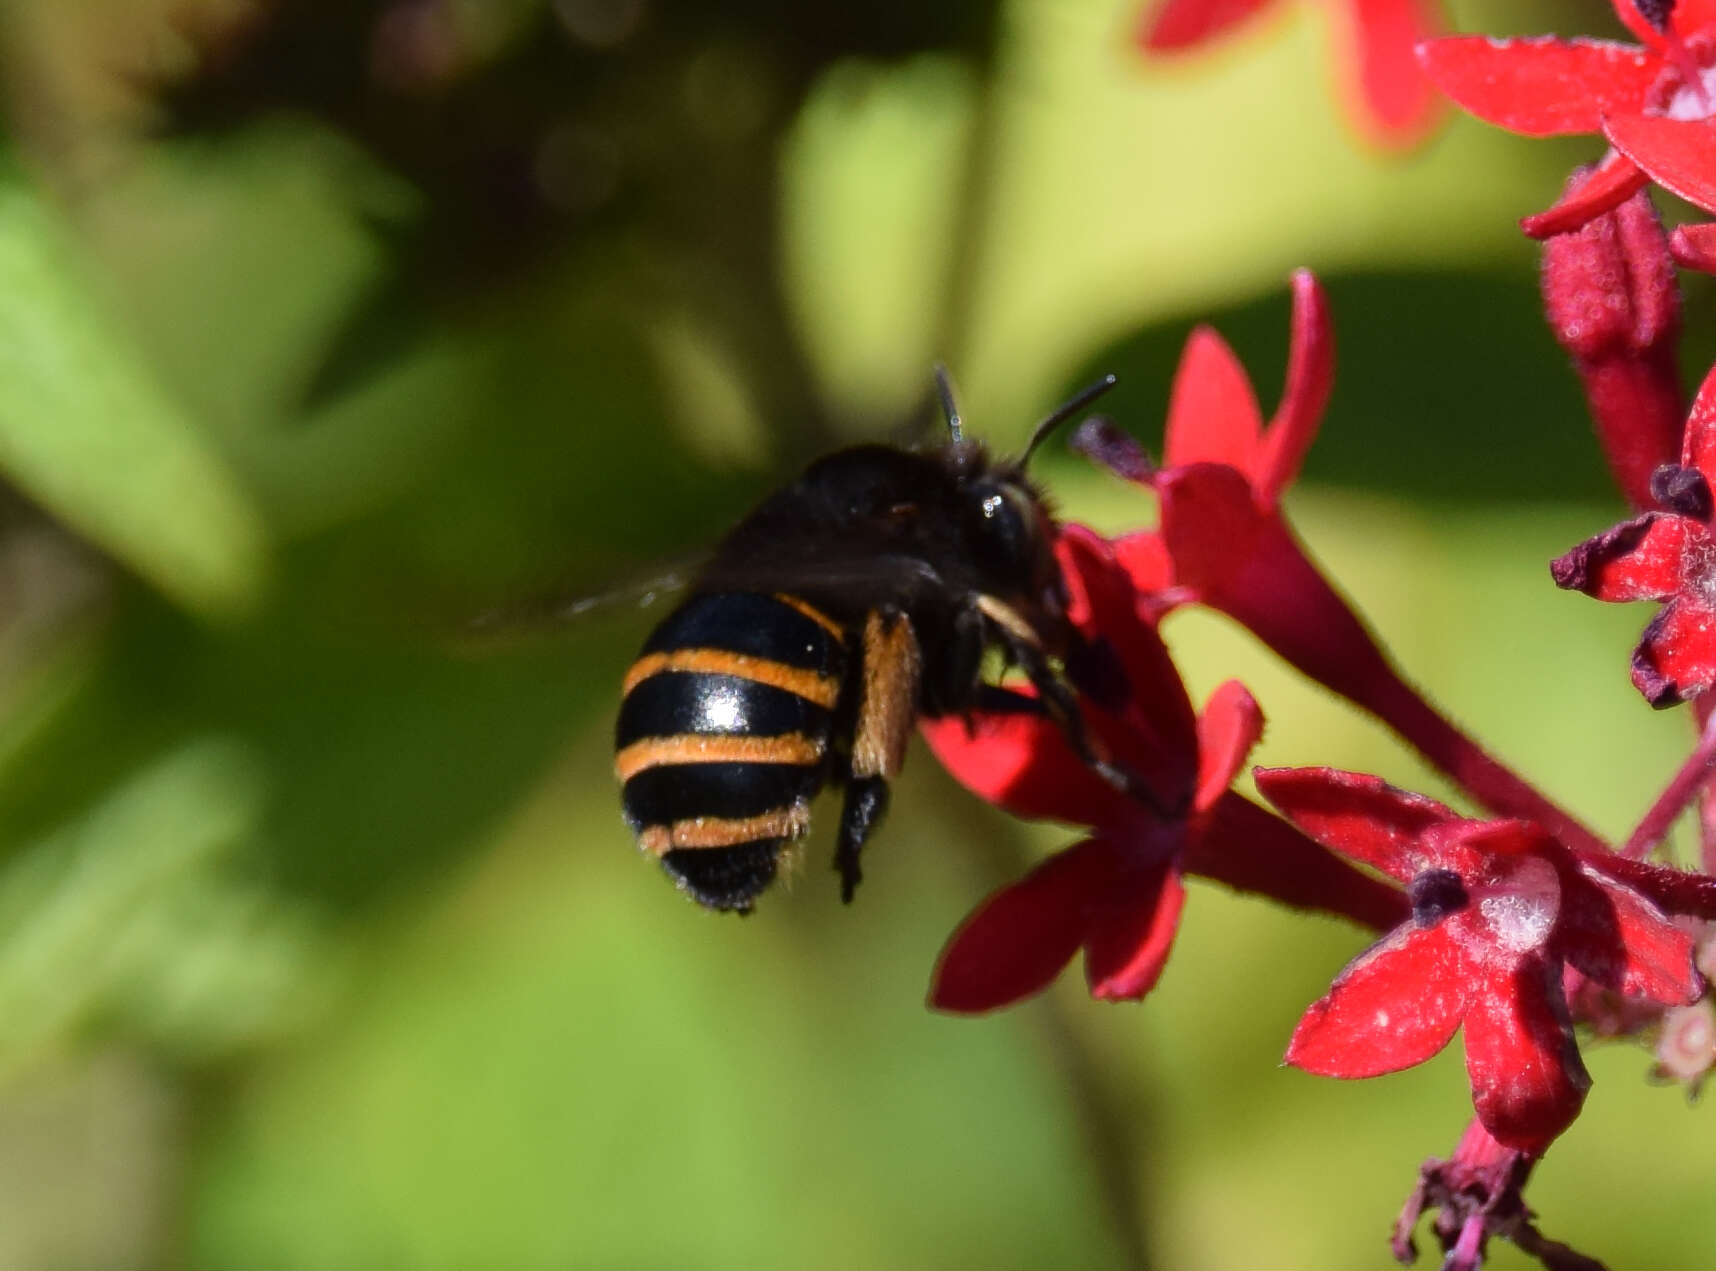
[{"x": 1007, "y": 523}]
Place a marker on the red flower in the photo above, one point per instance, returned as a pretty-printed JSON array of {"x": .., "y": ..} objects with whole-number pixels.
[
  {"x": 1392, "y": 102},
  {"x": 1654, "y": 103},
  {"x": 1222, "y": 541},
  {"x": 1499, "y": 910},
  {"x": 1118, "y": 893},
  {"x": 1669, "y": 556}
]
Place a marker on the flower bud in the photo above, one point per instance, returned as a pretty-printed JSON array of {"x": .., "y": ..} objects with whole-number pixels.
[
  {"x": 1610, "y": 295},
  {"x": 1686, "y": 1050}
]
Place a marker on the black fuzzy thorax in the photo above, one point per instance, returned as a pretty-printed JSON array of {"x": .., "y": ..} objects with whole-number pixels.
[{"x": 875, "y": 526}]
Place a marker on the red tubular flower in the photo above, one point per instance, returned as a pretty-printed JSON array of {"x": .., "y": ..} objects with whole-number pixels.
[
  {"x": 1118, "y": 893},
  {"x": 1392, "y": 102},
  {"x": 1499, "y": 910},
  {"x": 1667, "y": 556},
  {"x": 1610, "y": 295},
  {"x": 1223, "y": 542},
  {"x": 1654, "y": 102}
]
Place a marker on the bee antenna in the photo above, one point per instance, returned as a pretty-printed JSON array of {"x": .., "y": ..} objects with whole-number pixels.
[
  {"x": 949, "y": 407},
  {"x": 1064, "y": 412}
]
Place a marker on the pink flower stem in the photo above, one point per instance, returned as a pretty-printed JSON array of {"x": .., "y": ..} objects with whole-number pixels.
[
  {"x": 1484, "y": 777},
  {"x": 1694, "y": 775}
]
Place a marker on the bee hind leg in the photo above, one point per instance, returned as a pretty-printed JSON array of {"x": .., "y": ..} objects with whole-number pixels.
[
  {"x": 887, "y": 709},
  {"x": 866, "y": 801}
]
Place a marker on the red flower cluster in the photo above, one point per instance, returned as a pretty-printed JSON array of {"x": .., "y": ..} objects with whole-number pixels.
[
  {"x": 1653, "y": 102},
  {"x": 1511, "y": 930}
]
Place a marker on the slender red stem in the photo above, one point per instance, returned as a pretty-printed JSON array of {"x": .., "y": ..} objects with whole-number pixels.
[
  {"x": 1693, "y": 776},
  {"x": 1703, "y": 708},
  {"x": 1480, "y": 774}
]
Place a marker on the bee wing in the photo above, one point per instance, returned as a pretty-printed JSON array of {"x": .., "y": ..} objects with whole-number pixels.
[
  {"x": 853, "y": 583},
  {"x": 561, "y": 606}
]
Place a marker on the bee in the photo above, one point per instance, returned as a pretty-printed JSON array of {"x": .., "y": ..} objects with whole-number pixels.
[{"x": 861, "y": 596}]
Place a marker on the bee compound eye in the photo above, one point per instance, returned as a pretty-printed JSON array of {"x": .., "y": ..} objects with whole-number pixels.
[{"x": 1001, "y": 531}]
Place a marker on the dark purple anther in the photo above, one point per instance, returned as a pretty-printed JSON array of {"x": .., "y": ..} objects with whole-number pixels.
[
  {"x": 1681, "y": 490},
  {"x": 1434, "y": 895},
  {"x": 1655, "y": 12},
  {"x": 1101, "y": 439}
]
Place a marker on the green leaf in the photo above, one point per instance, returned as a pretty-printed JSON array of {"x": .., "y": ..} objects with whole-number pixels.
[{"x": 87, "y": 432}]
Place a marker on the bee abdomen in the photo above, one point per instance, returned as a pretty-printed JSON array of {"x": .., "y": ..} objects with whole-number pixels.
[
  {"x": 723, "y": 735},
  {"x": 728, "y": 877}
]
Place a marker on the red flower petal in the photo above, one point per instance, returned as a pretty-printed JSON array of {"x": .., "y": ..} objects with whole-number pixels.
[
  {"x": 1310, "y": 379},
  {"x": 1398, "y": 100},
  {"x": 1130, "y": 936},
  {"x": 1679, "y": 154},
  {"x": 1623, "y": 942},
  {"x": 1640, "y": 559},
  {"x": 1673, "y": 891},
  {"x": 1145, "y": 559},
  {"x": 1183, "y": 24},
  {"x": 1527, "y": 1079},
  {"x": 1255, "y": 851},
  {"x": 1018, "y": 940},
  {"x": 1394, "y": 1006},
  {"x": 1361, "y": 816},
  {"x": 1637, "y": 23},
  {"x": 1227, "y": 730},
  {"x": 1209, "y": 524},
  {"x": 1694, "y": 246},
  {"x": 1544, "y": 86},
  {"x": 1213, "y": 416},
  {"x": 1498, "y": 838},
  {"x": 1611, "y": 183},
  {"x": 1022, "y": 763},
  {"x": 1698, "y": 447},
  {"x": 1693, "y": 16},
  {"x": 1676, "y": 657},
  {"x": 1160, "y": 727}
]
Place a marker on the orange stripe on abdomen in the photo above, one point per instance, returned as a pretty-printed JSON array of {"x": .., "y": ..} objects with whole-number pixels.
[
  {"x": 693, "y": 748},
  {"x": 821, "y": 689},
  {"x": 711, "y": 831}
]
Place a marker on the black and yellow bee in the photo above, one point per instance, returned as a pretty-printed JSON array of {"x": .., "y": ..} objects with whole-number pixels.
[{"x": 861, "y": 596}]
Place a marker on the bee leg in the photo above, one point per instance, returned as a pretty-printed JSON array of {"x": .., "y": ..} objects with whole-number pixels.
[
  {"x": 866, "y": 801},
  {"x": 1060, "y": 702},
  {"x": 892, "y": 667}
]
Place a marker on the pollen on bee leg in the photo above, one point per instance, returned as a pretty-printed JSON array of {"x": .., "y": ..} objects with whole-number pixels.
[{"x": 887, "y": 707}]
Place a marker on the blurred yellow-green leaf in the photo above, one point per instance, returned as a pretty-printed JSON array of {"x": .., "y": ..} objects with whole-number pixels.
[{"x": 87, "y": 432}]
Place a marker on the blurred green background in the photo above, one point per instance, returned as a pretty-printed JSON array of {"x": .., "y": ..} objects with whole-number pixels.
[{"x": 326, "y": 328}]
